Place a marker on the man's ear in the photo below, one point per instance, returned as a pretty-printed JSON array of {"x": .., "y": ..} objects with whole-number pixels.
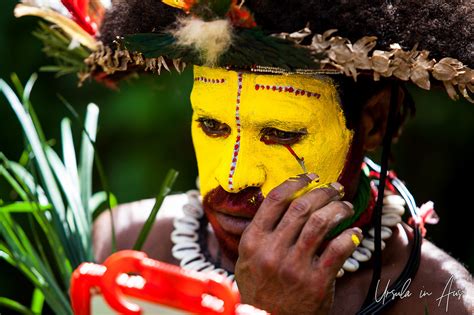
[{"x": 374, "y": 117}]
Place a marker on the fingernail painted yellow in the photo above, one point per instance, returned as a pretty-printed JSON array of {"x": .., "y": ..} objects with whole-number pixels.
[{"x": 355, "y": 240}]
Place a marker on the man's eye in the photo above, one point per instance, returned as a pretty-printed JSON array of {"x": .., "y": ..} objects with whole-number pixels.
[
  {"x": 213, "y": 128},
  {"x": 276, "y": 136}
]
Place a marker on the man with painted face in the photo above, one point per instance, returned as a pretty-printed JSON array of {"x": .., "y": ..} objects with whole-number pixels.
[
  {"x": 288, "y": 207},
  {"x": 279, "y": 170}
]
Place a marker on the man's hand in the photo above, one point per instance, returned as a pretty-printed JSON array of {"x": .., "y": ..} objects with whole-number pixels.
[{"x": 278, "y": 269}]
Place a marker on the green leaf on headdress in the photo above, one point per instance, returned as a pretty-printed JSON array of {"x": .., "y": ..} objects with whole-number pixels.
[{"x": 69, "y": 56}]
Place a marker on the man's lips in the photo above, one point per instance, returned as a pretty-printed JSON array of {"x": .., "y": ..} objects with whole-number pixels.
[
  {"x": 232, "y": 224},
  {"x": 232, "y": 212}
]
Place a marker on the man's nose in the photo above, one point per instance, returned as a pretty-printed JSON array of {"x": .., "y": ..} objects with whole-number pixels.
[{"x": 241, "y": 167}]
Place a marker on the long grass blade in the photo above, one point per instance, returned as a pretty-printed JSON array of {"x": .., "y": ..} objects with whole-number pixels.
[
  {"x": 28, "y": 88},
  {"x": 164, "y": 191},
  {"x": 53, "y": 193},
  {"x": 69, "y": 153},
  {"x": 71, "y": 193},
  {"x": 15, "y": 306},
  {"x": 27, "y": 258},
  {"x": 25, "y": 93},
  {"x": 13, "y": 183},
  {"x": 8, "y": 256},
  {"x": 5, "y": 254},
  {"x": 37, "y": 302},
  {"x": 27, "y": 179},
  {"x": 17, "y": 83},
  {"x": 99, "y": 199},
  {"x": 87, "y": 152},
  {"x": 100, "y": 170},
  {"x": 32, "y": 136},
  {"x": 43, "y": 218},
  {"x": 23, "y": 207},
  {"x": 37, "y": 240},
  {"x": 87, "y": 163}
]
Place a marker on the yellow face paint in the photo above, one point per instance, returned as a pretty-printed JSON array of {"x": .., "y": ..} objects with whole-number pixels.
[{"x": 252, "y": 106}]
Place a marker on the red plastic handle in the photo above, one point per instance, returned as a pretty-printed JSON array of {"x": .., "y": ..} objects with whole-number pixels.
[{"x": 156, "y": 282}]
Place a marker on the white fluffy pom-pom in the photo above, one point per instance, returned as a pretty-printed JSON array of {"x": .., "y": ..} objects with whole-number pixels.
[{"x": 211, "y": 39}]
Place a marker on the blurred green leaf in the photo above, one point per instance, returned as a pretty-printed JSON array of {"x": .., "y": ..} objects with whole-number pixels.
[
  {"x": 24, "y": 207},
  {"x": 37, "y": 147},
  {"x": 164, "y": 191},
  {"x": 37, "y": 302},
  {"x": 15, "y": 306},
  {"x": 98, "y": 203}
]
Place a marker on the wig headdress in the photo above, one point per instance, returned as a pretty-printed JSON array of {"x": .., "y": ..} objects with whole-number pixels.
[{"x": 424, "y": 42}]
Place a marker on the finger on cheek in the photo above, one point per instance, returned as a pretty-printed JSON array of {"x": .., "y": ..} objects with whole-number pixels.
[
  {"x": 278, "y": 199},
  {"x": 339, "y": 249}
]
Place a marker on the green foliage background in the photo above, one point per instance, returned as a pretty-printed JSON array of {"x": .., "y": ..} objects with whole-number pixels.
[{"x": 144, "y": 131}]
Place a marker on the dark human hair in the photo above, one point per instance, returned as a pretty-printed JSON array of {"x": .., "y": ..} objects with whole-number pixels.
[
  {"x": 354, "y": 95},
  {"x": 443, "y": 27}
]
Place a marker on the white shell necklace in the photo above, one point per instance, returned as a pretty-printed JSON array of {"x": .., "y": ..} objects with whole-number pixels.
[{"x": 189, "y": 253}]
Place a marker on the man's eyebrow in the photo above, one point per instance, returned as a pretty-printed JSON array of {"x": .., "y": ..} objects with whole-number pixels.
[
  {"x": 283, "y": 125},
  {"x": 208, "y": 115},
  {"x": 202, "y": 112}
]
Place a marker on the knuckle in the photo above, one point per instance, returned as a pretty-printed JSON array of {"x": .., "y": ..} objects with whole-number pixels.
[
  {"x": 275, "y": 196},
  {"x": 317, "y": 221},
  {"x": 268, "y": 262},
  {"x": 299, "y": 207},
  {"x": 343, "y": 207},
  {"x": 336, "y": 250},
  {"x": 289, "y": 274},
  {"x": 246, "y": 248}
]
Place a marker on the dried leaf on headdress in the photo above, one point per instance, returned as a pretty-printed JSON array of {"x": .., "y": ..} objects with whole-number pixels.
[
  {"x": 295, "y": 37},
  {"x": 402, "y": 69},
  {"x": 463, "y": 89},
  {"x": 121, "y": 59},
  {"x": 340, "y": 52},
  {"x": 465, "y": 83},
  {"x": 421, "y": 77},
  {"x": 466, "y": 77},
  {"x": 381, "y": 61},
  {"x": 320, "y": 42},
  {"x": 446, "y": 69},
  {"x": 179, "y": 65},
  {"x": 448, "y": 85},
  {"x": 361, "y": 50},
  {"x": 420, "y": 74}
]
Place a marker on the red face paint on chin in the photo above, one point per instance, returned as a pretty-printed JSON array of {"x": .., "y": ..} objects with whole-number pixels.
[{"x": 229, "y": 214}]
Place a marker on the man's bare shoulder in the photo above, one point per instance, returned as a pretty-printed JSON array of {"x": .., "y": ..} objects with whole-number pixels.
[
  {"x": 128, "y": 220},
  {"x": 450, "y": 280},
  {"x": 442, "y": 285}
]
